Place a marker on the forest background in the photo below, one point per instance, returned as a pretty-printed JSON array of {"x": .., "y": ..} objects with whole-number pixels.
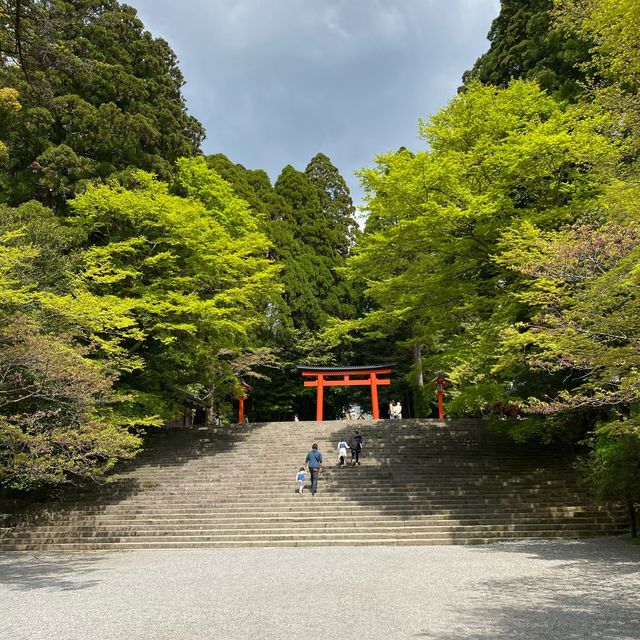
[{"x": 136, "y": 272}]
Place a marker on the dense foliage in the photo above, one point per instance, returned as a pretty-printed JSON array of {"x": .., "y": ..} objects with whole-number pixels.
[
  {"x": 527, "y": 43},
  {"x": 506, "y": 254},
  {"x": 99, "y": 95},
  {"x": 59, "y": 411},
  {"x": 125, "y": 291},
  {"x": 499, "y": 159},
  {"x": 136, "y": 293}
]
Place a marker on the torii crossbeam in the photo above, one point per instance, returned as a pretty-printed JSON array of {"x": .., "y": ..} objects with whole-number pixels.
[{"x": 346, "y": 377}]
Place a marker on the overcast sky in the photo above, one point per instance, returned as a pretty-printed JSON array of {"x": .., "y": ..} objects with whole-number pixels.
[{"x": 276, "y": 81}]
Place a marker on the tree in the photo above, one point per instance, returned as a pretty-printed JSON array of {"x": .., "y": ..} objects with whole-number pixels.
[
  {"x": 61, "y": 418},
  {"x": 99, "y": 95},
  {"x": 580, "y": 285},
  {"x": 275, "y": 215},
  {"x": 431, "y": 268},
  {"x": 313, "y": 294},
  {"x": 527, "y": 43},
  {"x": 335, "y": 201},
  {"x": 253, "y": 187},
  {"x": 53, "y": 428},
  {"x": 307, "y": 237},
  {"x": 584, "y": 330},
  {"x": 189, "y": 276},
  {"x": 613, "y": 466},
  {"x": 137, "y": 291},
  {"x": 9, "y": 105},
  {"x": 612, "y": 26}
]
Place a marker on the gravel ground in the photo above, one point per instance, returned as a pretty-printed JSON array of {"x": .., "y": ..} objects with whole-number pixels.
[{"x": 532, "y": 590}]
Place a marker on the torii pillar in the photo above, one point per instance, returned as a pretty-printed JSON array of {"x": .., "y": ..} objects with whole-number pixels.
[{"x": 245, "y": 392}]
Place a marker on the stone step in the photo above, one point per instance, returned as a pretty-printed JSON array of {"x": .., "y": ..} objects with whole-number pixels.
[
  {"x": 330, "y": 500},
  {"x": 299, "y": 513},
  {"x": 254, "y": 482},
  {"x": 228, "y": 544},
  {"x": 360, "y": 478},
  {"x": 252, "y": 493},
  {"x": 420, "y": 482},
  {"x": 288, "y": 494},
  {"x": 291, "y": 496},
  {"x": 192, "y": 519},
  {"x": 320, "y": 515},
  {"x": 375, "y": 465},
  {"x": 297, "y": 538},
  {"x": 298, "y": 534},
  {"x": 311, "y": 534},
  {"x": 194, "y": 523},
  {"x": 236, "y": 455},
  {"x": 364, "y": 474},
  {"x": 302, "y": 505},
  {"x": 141, "y": 528}
]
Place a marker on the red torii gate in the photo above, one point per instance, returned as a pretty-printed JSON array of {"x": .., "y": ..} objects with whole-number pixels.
[{"x": 346, "y": 377}]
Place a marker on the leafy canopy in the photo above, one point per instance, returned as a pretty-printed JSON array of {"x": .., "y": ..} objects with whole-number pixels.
[
  {"x": 498, "y": 159},
  {"x": 99, "y": 95}
]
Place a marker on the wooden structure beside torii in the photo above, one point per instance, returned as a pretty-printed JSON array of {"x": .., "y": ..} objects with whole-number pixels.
[{"x": 346, "y": 377}]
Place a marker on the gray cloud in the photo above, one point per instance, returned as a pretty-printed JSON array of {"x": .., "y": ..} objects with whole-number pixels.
[{"x": 275, "y": 82}]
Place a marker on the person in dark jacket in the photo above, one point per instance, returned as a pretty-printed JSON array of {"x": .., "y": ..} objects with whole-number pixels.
[
  {"x": 355, "y": 444},
  {"x": 313, "y": 462}
]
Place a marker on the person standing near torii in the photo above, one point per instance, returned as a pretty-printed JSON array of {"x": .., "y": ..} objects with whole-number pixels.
[{"x": 395, "y": 410}]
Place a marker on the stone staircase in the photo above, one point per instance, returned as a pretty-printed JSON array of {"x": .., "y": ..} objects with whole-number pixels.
[{"x": 420, "y": 482}]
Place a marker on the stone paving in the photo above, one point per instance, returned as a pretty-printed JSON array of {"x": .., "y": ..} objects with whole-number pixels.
[{"x": 533, "y": 590}]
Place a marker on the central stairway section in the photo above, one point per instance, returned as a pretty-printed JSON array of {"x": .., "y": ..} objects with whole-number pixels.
[{"x": 420, "y": 482}]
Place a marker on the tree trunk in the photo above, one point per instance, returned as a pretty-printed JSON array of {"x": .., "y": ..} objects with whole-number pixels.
[
  {"x": 421, "y": 406},
  {"x": 417, "y": 361},
  {"x": 631, "y": 511},
  {"x": 211, "y": 409}
]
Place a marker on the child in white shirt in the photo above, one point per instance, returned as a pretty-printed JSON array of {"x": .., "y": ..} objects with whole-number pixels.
[
  {"x": 342, "y": 452},
  {"x": 300, "y": 478}
]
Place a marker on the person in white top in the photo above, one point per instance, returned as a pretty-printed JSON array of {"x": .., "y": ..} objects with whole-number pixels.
[
  {"x": 342, "y": 452},
  {"x": 398, "y": 411}
]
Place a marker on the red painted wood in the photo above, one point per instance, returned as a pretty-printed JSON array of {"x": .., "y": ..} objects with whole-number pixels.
[
  {"x": 375, "y": 409},
  {"x": 340, "y": 383},
  {"x": 320, "y": 398},
  {"x": 346, "y": 372},
  {"x": 441, "y": 405},
  {"x": 240, "y": 410}
]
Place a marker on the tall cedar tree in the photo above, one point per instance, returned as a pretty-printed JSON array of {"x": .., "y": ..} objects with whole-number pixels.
[
  {"x": 256, "y": 189},
  {"x": 312, "y": 297},
  {"x": 277, "y": 397},
  {"x": 99, "y": 95},
  {"x": 613, "y": 26},
  {"x": 527, "y": 43},
  {"x": 335, "y": 200},
  {"x": 302, "y": 222}
]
